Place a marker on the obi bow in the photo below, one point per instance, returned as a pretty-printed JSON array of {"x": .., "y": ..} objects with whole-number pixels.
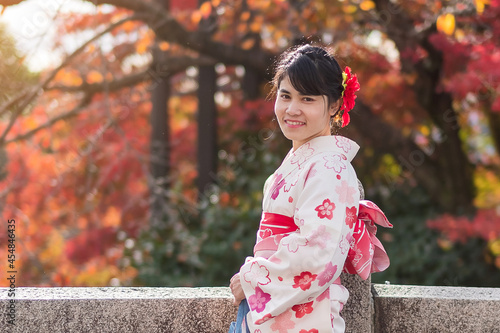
[{"x": 366, "y": 254}]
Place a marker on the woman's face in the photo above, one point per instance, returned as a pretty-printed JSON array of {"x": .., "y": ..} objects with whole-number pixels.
[{"x": 301, "y": 117}]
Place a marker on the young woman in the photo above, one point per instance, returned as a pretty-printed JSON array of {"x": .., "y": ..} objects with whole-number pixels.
[{"x": 313, "y": 224}]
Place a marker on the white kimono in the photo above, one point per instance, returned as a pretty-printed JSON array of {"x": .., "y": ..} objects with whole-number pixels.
[{"x": 310, "y": 208}]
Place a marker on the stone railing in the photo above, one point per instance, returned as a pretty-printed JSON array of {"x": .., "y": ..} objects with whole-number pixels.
[{"x": 371, "y": 308}]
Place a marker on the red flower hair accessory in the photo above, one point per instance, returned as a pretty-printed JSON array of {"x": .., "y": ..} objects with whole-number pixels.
[{"x": 351, "y": 85}]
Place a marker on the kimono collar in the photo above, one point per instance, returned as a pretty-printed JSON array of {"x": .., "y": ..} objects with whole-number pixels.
[
  {"x": 327, "y": 143},
  {"x": 298, "y": 159}
]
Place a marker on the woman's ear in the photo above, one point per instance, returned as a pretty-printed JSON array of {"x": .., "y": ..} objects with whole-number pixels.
[{"x": 334, "y": 108}]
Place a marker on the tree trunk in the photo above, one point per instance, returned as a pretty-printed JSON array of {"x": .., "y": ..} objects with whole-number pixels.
[
  {"x": 207, "y": 118},
  {"x": 452, "y": 172},
  {"x": 456, "y": 172},
  {"x": 207, "y": 128},
  {"x": 160, "y": 134}
]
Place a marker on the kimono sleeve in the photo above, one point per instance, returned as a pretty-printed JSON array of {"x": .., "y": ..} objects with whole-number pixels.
[{"x": 309, "y": 260}]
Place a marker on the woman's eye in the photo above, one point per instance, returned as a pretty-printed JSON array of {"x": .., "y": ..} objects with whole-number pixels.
[
  {"x": 308, "y": 99},
  {"x": 285, "y": 96}
]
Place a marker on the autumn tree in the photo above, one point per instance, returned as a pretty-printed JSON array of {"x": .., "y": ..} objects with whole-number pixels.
[{"x": 429, "y": 78}]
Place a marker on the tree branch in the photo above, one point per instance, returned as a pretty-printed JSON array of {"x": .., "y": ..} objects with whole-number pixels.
[
  {"x": 114, "y": 85},
  {"x": 133, "y": 5},
  {"x": 6, "y": 3},
  {"x": 83, "y": 103},
  {"x": 168, "y": 29},
  {"x": 169, "y": 67},
  {"x": 31, "y": 95}
]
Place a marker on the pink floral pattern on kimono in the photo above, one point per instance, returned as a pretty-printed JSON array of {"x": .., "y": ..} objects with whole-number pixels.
[
  {"x": 259, "y": 300},
  {"x": 278, "y": 184},
  {"x": 302, "y": 309},
  {"x": 258, "y": 275},
  {"x": 283, "y": 323},
  {"x": 325, "y": 210},
  {"x": 327, "y": 275},
  {"x": 320, "y": 237},
  {"x": 346, "y": 193},
  {"x": 335, "y": 162},
  {"x": 351, "y": 216},
  {"x": 301, "y": 155},
  {"x": 344, "y": 143},
  {"x": 345, "y": 244},
  {"x": 293, "y": 243},
  {"x": 304, "y": 280}
]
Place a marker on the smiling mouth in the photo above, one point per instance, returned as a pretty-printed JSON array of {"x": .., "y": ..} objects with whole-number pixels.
[{"x": 294, "y": 123}]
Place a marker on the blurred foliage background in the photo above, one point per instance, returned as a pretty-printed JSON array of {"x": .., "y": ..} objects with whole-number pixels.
[{"x": 137, "y": 156}]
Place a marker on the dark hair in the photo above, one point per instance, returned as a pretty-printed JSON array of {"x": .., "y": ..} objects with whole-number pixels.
[{"x": 311, "y": 70}]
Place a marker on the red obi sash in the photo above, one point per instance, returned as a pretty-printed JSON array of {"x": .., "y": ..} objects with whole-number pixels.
[
  {"x": 366, "y": 254},
  {"x": 276, "y": 224}
]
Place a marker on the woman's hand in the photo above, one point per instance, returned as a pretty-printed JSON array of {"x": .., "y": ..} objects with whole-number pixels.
[{"x": 236, "y": 289}]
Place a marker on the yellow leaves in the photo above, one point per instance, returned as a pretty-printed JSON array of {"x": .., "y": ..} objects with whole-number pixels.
[
  {"x": 112, "y": 217},
  {"x": 196, "y": 17},
  {"x": 245, "y": 16},
  {"x": 94, "y": 77},
  {"x": 95, "y": 273},
  {"x": 259, "y": 4},
  {"x": 245, "y": 25},
  {"x": 145, "y": 42},
  {"x": 388, "y": 166},
  {"x": 459, "y": 35},
  {"x": 349, "y": 9},
  {"x": 69, "y": 77},
  {"x": 142, "y": 46},
  {"x": 256, "y": 25},
  {"x": 164, "y": 46},
  {"x": 446, "y": 23},
  {"x": 29, "y": 124},
  {"x": 90, "y": 48},
  {"x": 129, "y": 26},
  {"x": 494, "y": 247},
  {"x": 487, "y": 185},
  {"x": 248, "y": 44},
  {"x": 445, "y": 244},
  {"x": 425, "y": 130},
  {"x": 480, "y": 5},
  {"x": 367, "y": 5},
  {"x": 206, "y": 9},
  {"x": 204, "y": 12},
  {"x": 54, "y": 249}
]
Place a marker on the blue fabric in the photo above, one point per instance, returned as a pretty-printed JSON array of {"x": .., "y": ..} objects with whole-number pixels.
[{"x": 236, "y": 327}]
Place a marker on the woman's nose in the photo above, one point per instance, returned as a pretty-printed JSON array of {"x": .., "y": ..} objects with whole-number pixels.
[{"x": 293, "y": 108}]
